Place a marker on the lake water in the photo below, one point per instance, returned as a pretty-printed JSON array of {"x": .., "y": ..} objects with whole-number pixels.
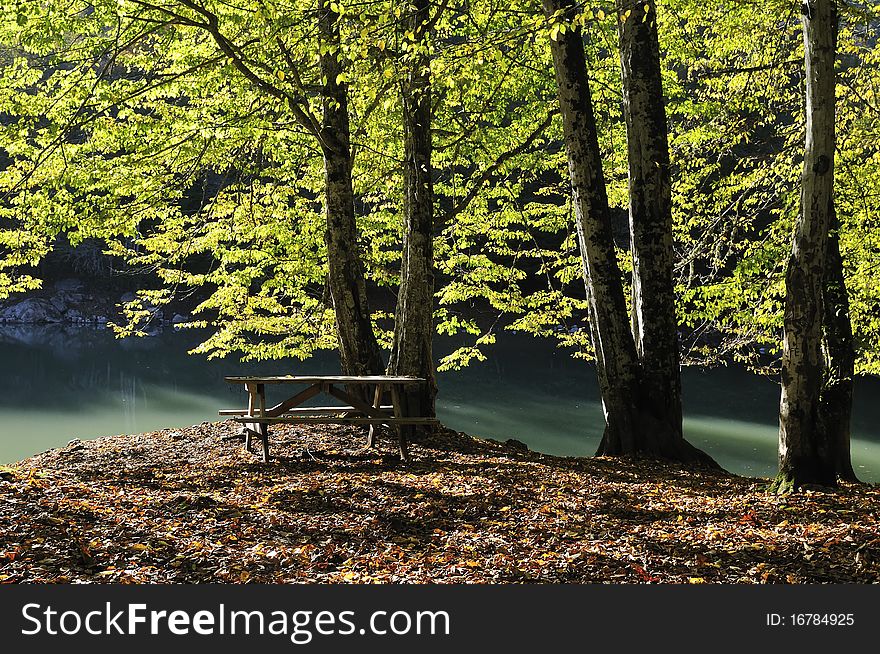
[{"x": 59, "y": 383}]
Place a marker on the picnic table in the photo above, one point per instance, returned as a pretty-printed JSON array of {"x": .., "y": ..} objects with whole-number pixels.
[{"x": 356, "y": 411}]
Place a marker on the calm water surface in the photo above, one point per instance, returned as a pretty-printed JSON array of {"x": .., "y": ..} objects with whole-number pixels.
[{"x": 61, "y": 383}]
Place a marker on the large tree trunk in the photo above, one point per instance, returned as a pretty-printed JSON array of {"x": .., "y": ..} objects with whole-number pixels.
[
  {"x": 411, "y": 351},
  {"x": 358, "y": 348},
  {"x": 637, "y": 421},
  {"x": 836, "y": 395},
  {"x": 654, "y": 324},
  {"x": 616, "y": 361},
  {"x": 806, "y": 454}
]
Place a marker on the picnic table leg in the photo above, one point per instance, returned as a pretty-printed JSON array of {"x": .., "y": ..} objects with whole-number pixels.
[
  {"x": 264, "y": 428},
  {"x": 377, "y": 402},
  {"x": 249, "y": 426},
  {"x": 396, "y": 400}
]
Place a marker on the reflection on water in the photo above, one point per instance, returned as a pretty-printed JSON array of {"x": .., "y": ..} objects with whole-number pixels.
[{"x": 60, "y": 383}]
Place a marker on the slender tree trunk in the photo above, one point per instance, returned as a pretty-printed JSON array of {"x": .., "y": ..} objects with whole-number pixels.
[
  {"x": 837, "y": 388},
  {"x": 806, "y": 453},
  {"x": 358, "y": 348},
  {"x": 411, "y": 351},
  {"x": 654, "y": 324},
  {"x": 616, "y": 360}
]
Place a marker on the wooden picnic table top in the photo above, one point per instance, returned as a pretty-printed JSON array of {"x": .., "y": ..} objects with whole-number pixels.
[{"x": 329, "y": 379}]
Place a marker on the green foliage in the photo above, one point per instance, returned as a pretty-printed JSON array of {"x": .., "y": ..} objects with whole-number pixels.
[
  {"x": 184, "y": 165},
  {"x": 738, "y": 129},
  {"x": 197, "y": 157}
]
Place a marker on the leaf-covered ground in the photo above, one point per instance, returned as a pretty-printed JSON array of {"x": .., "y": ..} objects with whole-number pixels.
[{"x": 189, "y": 505}]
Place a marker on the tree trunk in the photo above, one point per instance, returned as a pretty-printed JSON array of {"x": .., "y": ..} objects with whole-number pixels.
[
  {"x": 806, "y": 454},
  {"x": 358, "y": 349},
  {"x": 638, "y": 418},
  {"x": 616, "y": 361},
  {"x": 837, "y": 388},
  {"x": 411, "y": 351},
  {"x": 654, "y": 323}
]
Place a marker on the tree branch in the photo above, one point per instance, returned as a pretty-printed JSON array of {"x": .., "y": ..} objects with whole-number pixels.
[{"x": 523, "y": 147}]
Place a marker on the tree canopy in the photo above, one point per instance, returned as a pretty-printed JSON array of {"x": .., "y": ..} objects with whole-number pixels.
[{"x": 183, "y": 133}]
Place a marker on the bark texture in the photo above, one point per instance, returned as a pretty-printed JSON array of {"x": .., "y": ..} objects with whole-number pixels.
[
  {"x": 654, "y": 323},
  {"x": 411, "y": 351},
  {"x": 837, "y": 388},
  {"x": 806, "y": 453},
  {"x": 358, "y": 349}
]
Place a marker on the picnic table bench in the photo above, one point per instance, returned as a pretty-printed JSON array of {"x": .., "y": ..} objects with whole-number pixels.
[{"x": 257, "y": 417}]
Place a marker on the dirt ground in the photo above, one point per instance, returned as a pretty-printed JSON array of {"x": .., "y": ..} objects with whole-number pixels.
[{"x": 190, "y": 505}]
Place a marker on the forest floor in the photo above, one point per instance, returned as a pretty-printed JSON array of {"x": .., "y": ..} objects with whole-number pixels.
[{"x": 188, "y": 505}]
